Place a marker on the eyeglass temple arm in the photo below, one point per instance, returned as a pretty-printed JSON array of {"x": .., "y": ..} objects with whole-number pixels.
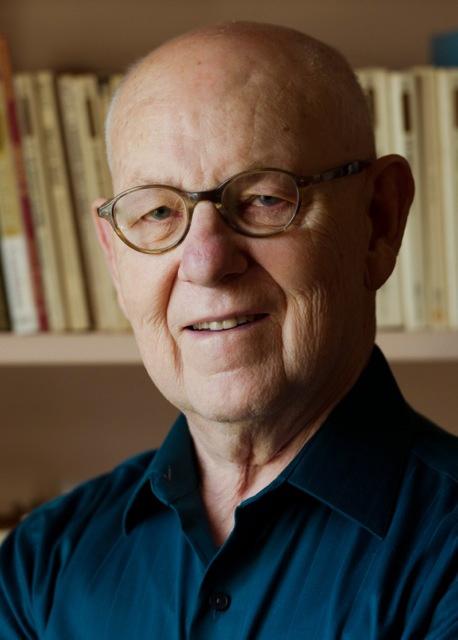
[
  {"x": 339, "y": 172},
  {"x": 105, "y": 210}
]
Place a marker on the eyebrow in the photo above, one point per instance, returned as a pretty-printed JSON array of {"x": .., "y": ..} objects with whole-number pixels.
[{"x": 140, "y": 179}]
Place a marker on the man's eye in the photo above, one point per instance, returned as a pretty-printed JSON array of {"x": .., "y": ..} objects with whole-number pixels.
[
  {"x": 264, "y": 201},
  {"x": 158, "y": 214}
]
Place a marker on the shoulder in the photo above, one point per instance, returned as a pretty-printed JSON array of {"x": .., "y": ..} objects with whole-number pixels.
[
  {"x": 74, "y": 509},
  {"x": 38, "y": 550},
  {"x": 428, "y": 499},
  {"x": 428, "y": 518},
  {"x": 59, "y": 523},
  {"x": 434, "y": 448}
]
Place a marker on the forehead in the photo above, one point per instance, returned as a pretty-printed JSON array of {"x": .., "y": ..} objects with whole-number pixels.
[{"x": 195, "y": 122}]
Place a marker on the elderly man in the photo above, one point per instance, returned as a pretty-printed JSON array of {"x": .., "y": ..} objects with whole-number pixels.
[{"x": 297, "y": 495}]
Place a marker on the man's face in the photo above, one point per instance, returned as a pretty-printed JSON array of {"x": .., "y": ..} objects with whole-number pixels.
[{"x": 192, "y": 126}]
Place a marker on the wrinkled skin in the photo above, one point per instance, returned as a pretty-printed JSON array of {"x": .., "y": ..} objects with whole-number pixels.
[{"x": 198, "y": 112}]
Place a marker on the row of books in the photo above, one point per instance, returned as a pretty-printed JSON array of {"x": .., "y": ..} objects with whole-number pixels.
[
  {"x": 53, "y": 165},
  {"x": 415, "y": 114}
]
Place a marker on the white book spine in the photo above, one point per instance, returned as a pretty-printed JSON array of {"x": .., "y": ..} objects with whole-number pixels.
[
  {"x": 432, "y": 198},
  {"x": 18, "y": 284},
  {"x": 375, "y": 84},
  {"x": 447, "y": 96},
  {"x": 404, "y": 129}
]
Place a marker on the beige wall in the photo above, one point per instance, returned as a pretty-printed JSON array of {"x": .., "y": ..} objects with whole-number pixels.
[
  {"x": 108, "y": 34},
  {"x": 62, "y": 425}
]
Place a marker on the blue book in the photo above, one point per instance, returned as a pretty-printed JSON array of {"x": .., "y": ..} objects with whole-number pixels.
[{"x": 444, "y": 49}]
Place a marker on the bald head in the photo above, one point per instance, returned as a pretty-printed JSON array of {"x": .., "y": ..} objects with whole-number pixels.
[
  {"x": 193, "y": 114},
  {"x": 288, "y": 77}
]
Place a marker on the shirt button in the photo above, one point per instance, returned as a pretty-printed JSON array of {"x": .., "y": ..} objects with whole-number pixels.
[{"x": 220, "y": 601}]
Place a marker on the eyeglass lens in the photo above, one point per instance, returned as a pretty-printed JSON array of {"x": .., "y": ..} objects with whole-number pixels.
[{"x": 259, "y": 203}]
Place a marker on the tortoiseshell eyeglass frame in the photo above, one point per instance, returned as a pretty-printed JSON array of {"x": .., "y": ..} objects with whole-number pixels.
[{"x": 192, "y": 198}]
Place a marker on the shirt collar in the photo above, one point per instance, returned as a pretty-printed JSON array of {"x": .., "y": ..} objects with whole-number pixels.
[
  {"x": 354, "y": 463},
  {"x": 356, "y": 460},
  {"x": 171, "y": 474}
]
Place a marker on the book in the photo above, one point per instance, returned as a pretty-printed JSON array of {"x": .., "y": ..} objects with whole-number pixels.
[
  {"x": 107, "y": 88},
  {"x": 444, "y": 49},
  {"x": 19, "y": 249},
  {"x": 376, "y": 86},
  {"x": 44, "y": 215},
  {"x": 447, "y": 112},
  {"x": 432, "y": 196},
  {"x": 13, "y": 247},
  {"x": 96, "y": 114},
  {"x": 82, "y": 133},
  {"x": 69, "y": 250},
  {"x": 404, "y": 129}
]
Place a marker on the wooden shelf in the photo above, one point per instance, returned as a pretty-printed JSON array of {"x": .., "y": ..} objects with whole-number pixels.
[
  {"x": 417, "y": 346},
  {"x": 120, "y": 349},
  {"x": 68, "y": 349}
]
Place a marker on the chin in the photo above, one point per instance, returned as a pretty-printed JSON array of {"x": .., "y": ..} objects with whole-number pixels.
[
  {"x": 234, "y": 398},
  {"x": 223, "y": 415}
]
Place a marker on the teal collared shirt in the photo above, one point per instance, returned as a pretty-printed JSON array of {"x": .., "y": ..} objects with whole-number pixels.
[{"x": 356, "y": 539}]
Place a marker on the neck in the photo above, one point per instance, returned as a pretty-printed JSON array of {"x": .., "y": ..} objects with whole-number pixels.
[
  {"x": 237, "y": 460},
  {"x": 243, "y": 466}
]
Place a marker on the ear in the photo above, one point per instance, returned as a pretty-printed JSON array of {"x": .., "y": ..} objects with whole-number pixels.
[
  {"x": 106, "y": 238},
  {"x": 392, "y": 189}
]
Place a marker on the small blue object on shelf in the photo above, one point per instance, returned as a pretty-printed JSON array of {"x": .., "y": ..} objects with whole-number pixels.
[{"x": 444, "y": 49}]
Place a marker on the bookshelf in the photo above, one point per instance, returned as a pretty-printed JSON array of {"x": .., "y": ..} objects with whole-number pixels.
[
  {"x": 67, "y": 409},
  {"x": 120, "y": 349}
]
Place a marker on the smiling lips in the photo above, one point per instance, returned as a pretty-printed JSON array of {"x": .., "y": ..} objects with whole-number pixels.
[{"x": 228, "y": 323}]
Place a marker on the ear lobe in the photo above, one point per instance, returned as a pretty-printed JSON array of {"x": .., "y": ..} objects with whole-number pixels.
[
  {"x": 392, "y": 194},
  {"x": 380, "y": 265}
]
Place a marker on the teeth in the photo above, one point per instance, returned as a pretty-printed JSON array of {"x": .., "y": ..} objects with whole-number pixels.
[{"x": 229, "y": 323}]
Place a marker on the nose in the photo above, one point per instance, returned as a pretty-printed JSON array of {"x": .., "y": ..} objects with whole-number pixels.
[{"x": 211, "y": 252}]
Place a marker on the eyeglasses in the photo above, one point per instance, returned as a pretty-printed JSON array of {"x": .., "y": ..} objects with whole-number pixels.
[{"x": 155, "y": 218}]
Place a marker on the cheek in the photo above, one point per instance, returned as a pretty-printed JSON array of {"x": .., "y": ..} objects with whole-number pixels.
[
  {"x": 145, "y": 289},
  {"x": 320, "y": 272},
  {"x": 146, "y": 283},
  {"x": 335, "y": 256},
  {"x": 310, "y": 264}
]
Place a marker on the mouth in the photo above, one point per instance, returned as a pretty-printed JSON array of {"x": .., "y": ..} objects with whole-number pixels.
[{"x": 227, "y": 323}]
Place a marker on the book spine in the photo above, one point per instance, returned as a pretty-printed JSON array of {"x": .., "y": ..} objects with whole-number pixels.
[
  {"x": 79, "y": 126},
  {"x": 447, "y": 98},
  {"x": 67, "y": 102},
  {"x": 40, "y": 200},
  {"x": 374, "y": 82},
  {"x": 13, "y": 132},
  {"x": 97, "y": 102},
  {"x": 98, "y": 168},
  {"x": 75, "y": 293},
  {"x": 405, "y": 132},
  {"x": 432, "y": 197},
  {"x": 14, "y": 255}
]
